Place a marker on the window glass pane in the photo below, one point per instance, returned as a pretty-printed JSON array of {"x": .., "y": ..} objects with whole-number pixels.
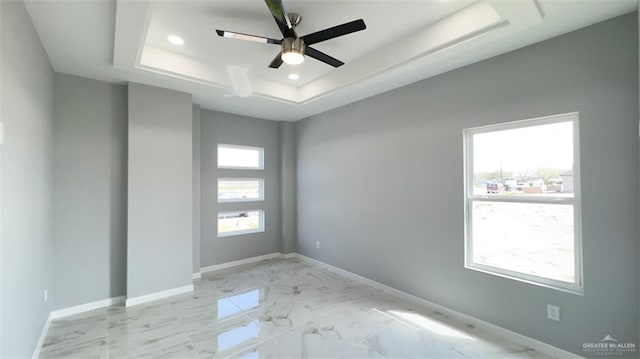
[
  {"x": 531, "y": 238},
  {"x": 529, "y": 161},
  {"x": 239, "y": 157},
  {"x": 230, "y": 190},
  {"x": 240, "y": 222}
]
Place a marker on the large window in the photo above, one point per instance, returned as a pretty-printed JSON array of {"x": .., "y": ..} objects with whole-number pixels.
[
  {"x": 240, "y": 157},
  {"x": 522, "y": 210},
  {"x": 240, "y": 222}
]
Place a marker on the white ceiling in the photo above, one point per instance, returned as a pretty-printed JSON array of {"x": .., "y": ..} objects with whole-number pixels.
[{"x": 405, "y": 41}]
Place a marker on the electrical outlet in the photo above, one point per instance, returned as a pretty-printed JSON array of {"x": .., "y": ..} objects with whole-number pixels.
[
  {"x": 553, "y": 312},
  {"x": 46, "y": 295},
  {"x": 317, "y": 244}
]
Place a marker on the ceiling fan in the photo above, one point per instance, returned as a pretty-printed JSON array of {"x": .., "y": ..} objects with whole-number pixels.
[{"x": 295, "y": 47}]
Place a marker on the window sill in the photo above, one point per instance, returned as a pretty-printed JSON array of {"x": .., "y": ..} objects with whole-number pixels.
[{"x": 542, "y": 282}]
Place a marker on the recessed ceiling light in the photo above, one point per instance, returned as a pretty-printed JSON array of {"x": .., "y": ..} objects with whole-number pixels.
[
  {"x": 175, "y": 40},
  {"x": 294, "y": 77}
]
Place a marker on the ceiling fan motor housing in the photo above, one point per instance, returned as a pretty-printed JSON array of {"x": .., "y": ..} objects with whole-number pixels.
[{"x": 290, "y": 44}]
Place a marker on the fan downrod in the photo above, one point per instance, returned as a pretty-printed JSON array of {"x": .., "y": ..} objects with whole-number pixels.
[{"x": 294, "y": 18}]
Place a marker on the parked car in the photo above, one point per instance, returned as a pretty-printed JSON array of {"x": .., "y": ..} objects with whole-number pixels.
[{"x": 494, "y": 187}]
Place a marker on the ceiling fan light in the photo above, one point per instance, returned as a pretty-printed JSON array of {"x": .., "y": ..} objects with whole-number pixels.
[
  {"x": 292, "y": 51},
  {"x": 292, "y": 58}
]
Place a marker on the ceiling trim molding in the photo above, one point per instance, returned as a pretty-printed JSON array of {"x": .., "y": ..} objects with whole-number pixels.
[{"x": 132, "y": 22}]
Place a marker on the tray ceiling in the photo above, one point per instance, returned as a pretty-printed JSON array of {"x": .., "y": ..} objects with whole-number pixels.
[{"x": 405, "y": 41}]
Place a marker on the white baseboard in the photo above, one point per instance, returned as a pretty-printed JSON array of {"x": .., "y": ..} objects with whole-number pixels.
[
  {"x": 197, "y": 275},
  {"x": 61, "y": 313},
  {"x": 158, "y": 295},
  {"x": 289, "y": 255},
  {"x": 43, "y": 335},
  {"x": 86, "y": 307},
  {"x": 461, "y": 317},
  {"x": 240, "y": 262}
]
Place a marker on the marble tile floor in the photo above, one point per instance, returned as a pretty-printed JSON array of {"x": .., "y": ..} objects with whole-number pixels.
[{"x": 282, "y": 308}]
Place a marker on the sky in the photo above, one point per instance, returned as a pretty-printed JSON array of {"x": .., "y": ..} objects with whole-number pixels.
[
  {"x": 522, "y": 149},
  {"x": 238, "y": 157}
]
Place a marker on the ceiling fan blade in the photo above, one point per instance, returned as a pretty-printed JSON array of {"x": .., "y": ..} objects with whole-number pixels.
[
  {"x": 321, "y": 56},
  {"x": 247, "y": 37},
  {"x": 336, "y": 31},
  {"x": 280, "y": 15},
  {"x": 277, "y": 61}
]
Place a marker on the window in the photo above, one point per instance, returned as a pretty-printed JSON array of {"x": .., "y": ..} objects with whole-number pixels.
[
  {"x": 240, "y": 222},
  {"x": 240, "y": 157},
  {"x": 236, "y": 159},
  {"x": 240, "y": 189},
  {"x": 522, "y": 210}
]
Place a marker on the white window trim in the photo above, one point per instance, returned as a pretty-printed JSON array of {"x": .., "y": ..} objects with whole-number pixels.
[
  {"x": 259, "y": 199},
  {"x": 469, "y": 198},
  {"x": 261, "y": 160},
  {"x": 260, "y": 229}
]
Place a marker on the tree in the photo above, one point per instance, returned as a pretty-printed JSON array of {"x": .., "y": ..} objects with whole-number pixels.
[
  {"x": 525, "y": 175},
  {"x": 548, "y": 173}
]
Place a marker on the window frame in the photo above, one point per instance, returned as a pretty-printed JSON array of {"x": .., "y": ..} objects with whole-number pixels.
[
  {"x": 241, "y": 147},
  {"x": 469, "y": 198},
  {"x": 236, "y": 200},
  {"x": 260, "y": 229}
]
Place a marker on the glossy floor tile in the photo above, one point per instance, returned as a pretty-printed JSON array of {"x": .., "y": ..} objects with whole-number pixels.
[{"x": 281, "y": 308}]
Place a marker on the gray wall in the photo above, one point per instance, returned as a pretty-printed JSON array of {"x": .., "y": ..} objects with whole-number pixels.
[
  {"x": 196, "y": 189},
  {"x": 89, "y": 183},
  {"x": 288, "y": 186},
  {"x": 380, "y": 183},
  {"x": 27, "y": 114},
  {"x": 218, "y": 127},
  {"x": 160, "y": 222}
]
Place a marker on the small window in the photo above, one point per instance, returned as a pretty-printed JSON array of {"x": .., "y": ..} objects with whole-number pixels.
[
  {"x": 240, "y": 189},
  {"x": 522, "y": 211},
  {"x": 240, "y": 157},
  {"x": 240, "y": 222}
]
